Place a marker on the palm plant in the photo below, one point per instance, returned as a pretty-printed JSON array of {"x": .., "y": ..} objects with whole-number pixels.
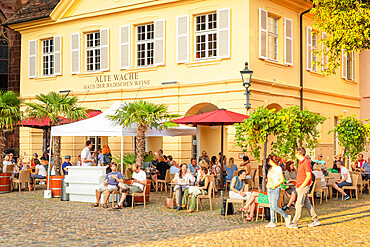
[
  {"x": 10, "y": 115},
  {"x": 57, "y": 108},
  {"x": 145, "y": 115}
]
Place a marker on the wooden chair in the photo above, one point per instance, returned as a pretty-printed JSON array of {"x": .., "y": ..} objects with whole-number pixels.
[
  {"x": 113, "y": 193},
  {"x": 237, "y": 201},
  {"x": 146, "y": 191},
  {"x": 206, "y": 197},
  {"x": 361, "y": 183},
  {"x": 354, "y": 187},
  {"x": 212, "y": 179},
  {"x": 166, "y": 181},
  {"x": 24, "y": 177},
  {"x": 318, "y": 188},
  {"x": 333, "y": 177},
  {"x": 38, "y": 180},
  {"x": 312, "y": 193},
  {"x": 266, "y": 205},
  {"x": 9, "y": 169},
  {"x": 172, "y": 176}
]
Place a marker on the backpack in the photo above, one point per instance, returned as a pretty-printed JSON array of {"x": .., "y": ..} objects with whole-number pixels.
[{"x": 313, "y": 177}]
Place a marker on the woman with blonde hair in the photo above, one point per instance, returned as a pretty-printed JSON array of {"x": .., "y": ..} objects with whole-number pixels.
[
  {"x": 6, "y": 162},
  {"x": 230, "y": 168}
]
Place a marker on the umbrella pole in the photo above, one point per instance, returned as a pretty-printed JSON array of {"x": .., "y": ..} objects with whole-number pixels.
[{"x": 222, "y": 155}]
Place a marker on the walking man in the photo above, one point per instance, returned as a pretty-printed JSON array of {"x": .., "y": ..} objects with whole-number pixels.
[{"x": 304, "y": 180}]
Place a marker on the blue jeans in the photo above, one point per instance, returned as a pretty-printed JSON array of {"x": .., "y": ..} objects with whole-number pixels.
[
  {"x": 33, "y": 176},
  {"x": 274, "y": 195}
]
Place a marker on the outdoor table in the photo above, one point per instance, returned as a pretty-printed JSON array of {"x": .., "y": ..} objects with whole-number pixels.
[{"x": 181, "y": 186}]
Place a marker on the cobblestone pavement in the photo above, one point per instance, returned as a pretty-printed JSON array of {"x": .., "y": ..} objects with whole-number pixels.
[{"x": 29, "y": 220}]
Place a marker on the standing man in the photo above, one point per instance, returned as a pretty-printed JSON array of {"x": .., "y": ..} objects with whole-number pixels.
[
  {"x": 86, "y": 157},
  {"x": 100, "y": 157},
  {"x": 303, "y": 182}
]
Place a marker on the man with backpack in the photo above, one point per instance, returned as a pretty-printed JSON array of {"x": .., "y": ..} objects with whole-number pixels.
[{"x": 304, "y": 180}]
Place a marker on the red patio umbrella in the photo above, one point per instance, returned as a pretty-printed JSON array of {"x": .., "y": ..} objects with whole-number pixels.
[{"x": 219, "y": 117}]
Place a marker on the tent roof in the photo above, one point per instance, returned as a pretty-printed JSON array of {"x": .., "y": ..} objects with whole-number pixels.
[
  {"x": 100, "y": 125},
  {"x": 217, "y": 117}
]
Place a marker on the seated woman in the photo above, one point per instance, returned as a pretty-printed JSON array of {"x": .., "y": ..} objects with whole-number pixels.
[
  {"x": 238, "y": 187},
  {"x": 183, "y": 176},
  {"x": 40, "y": 171},
  {"x": 162, "y": 168},
  {"x": 230, "y": 168},
  {"x": 203, "y": 182},
  {"x": 290, "y": 175},
  {"x": 246, "y": 165},
  {"x": 254, "y": 199}
]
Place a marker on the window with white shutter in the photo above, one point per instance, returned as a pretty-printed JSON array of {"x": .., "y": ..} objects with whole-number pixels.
[
  {"x": 104, "y": 49},
  {"x": 288, "y": 35},
  {"x": 93, "y": 52},
  {"x": 75, "y": 53},
  {"x": 32, "y": 58},
  {"x": 206, "y": 36},
  {"x": 348, "y": 66},
  {"x": 57, "y": 55},
  {"x": 263, "y": 33},
  {"x": 313, "y": 52},
  {"x": 125, "y": 47},
  {"x": 223, "y": 33},
  {"x": 48, "y": 60},
  {"x": 272, "y": 39},
  {"x": 145, "y": 45},
  {"x": 309, "y": 48},
  {"x": 159, "y": 42},
  {"x": 182, "y": 39}
]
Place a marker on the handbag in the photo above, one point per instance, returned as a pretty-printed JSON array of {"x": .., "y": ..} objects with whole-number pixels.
[
  {"x": 128, "y": 201},
  {"x": 230, "y": 208},
  {"x": 169, "y": 203}
]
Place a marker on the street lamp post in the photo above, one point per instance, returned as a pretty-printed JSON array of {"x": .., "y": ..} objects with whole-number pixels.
[{"x": 247, "y": 77}]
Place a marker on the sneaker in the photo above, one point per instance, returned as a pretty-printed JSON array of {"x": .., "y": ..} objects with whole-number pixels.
[
  {"x": 340, "y": 198},
  {"x": 288, "y": 220},
  {"x": 285, "y": 208},
  {"x": 270, "y": 225},
  {"x": 292, "y": 226},
  {"x": 346, "y": 197},
  {"x": 314, "y": 223}
]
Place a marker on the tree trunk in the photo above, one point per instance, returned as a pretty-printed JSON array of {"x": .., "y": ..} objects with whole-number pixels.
[
  {"x": 344, "y": 156},
  {"x": 2, "y": 147},
  {"x": 264, "y": 167},
  {"x": 56, "y": 141},
  {"x": 140, "y": 144}
]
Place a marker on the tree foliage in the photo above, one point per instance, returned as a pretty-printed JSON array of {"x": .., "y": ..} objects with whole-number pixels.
[
  {"x": 56, "y": 107},
  {"x": 353, "y": 135},
  {"x": 144, "y": 115},
  {"x": 10, "y": 115},
  {"x": 254, "y": 131},
  {"x": 347, "y": 25},
  {"x": 296, "y": 128}
]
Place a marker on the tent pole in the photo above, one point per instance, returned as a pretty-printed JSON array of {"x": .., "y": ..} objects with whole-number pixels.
[
  {"x": 222, "y": 155},
  {"x": 51, "y": 147},
  {"x": 122, "y": 151},
  {"x": 132, "y": 145}
]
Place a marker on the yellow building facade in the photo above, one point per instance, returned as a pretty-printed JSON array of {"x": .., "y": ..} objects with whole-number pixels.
[{"x": 186, "y": 54}]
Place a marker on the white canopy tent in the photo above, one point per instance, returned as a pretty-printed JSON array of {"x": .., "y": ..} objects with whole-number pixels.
[{"x": 100, "y": 125}]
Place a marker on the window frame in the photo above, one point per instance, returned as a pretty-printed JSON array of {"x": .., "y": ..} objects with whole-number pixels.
[
  {"x": 206, "y": 34},
  {"x": 49, "y": 55},
  {"x": 273, "y": 35},
  {"x": 145, "y": 42},
  {"x": 93, "y": 48},
  {"x": 349, "y": 66},
  {"x": 314, "y": 42}
]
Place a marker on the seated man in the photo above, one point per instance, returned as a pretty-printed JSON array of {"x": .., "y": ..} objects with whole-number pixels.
[
  {"x": 344, "y": 181},
  {"x": 66, "y": 163},
  {"x": 358, "y": 165},
  {"x": 175, "y": 168},
  {"x": 110, "y": 184},
  {"x": 138, "y": 182},
  {"x": 40, "y": 171}
]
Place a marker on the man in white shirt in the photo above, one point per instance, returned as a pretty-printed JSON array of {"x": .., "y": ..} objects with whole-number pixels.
[
  {"x": 344, "y": 181},
  {"x": 138, "y": 182},
  {"x": 86, "y": 157}
]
